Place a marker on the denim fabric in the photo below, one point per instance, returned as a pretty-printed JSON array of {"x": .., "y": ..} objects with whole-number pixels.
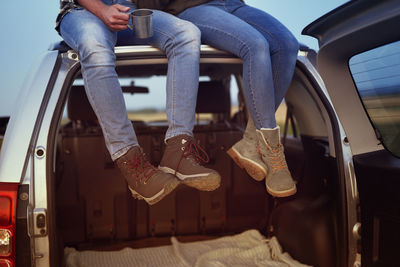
[
  {"x": 267, "y": 48},
  {"x": 95, "y": 43},
  {"x": 65, "y": 7}
]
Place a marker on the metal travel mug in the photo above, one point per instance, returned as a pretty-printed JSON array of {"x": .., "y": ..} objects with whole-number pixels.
[{"x": 143, "y": 23}]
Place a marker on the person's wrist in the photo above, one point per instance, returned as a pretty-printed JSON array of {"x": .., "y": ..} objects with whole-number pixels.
[{"x": 100, "y": 10}]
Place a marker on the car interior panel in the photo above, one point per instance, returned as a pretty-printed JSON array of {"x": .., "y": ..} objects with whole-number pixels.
[{"x": 380, "y": 218}]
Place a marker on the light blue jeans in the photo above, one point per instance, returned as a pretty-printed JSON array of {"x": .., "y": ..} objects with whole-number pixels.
[
  {"x": 95, "y": 42},
  {"x": 267, "y": 48}
]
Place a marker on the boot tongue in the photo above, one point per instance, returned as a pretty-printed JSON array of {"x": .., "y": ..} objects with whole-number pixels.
[
  {"x": 272, "y": 136},
  {"x": 189, "y": 153},
  {"x": 179, "y": 139}
]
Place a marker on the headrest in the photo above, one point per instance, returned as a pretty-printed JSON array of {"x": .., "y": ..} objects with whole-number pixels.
[
  {"x": 213, "y": 97},
  {"x": 78, "y": 106}
]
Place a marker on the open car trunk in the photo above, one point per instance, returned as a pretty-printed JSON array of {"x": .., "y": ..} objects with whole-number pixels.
[{"x": 95, "y": 211}]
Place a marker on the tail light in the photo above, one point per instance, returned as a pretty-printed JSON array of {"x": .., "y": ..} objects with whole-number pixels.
[{"x": 8, "y": 209}]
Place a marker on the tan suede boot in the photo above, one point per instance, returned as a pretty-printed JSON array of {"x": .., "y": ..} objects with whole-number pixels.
[
  {"x": 245, "y": 153},
  {"x": 144, "y": 180},
  {"x": 279, "y": 182}
]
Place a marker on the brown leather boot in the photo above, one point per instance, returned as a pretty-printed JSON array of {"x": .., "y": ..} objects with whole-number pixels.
[
  {"x": 182, "y": 158},
  {"x": 144, "y": 180}
]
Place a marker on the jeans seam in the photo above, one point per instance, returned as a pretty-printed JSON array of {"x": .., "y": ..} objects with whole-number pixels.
[
  {"x": 249, "y": 71},
  {"x": 171, "y": 37},
  {"x": 275, "y": 75},
  {"x": 251, "y": 88},
  {"x": 173, "y": 87},
  {"x": 88, "y": 92},
  {"x": 95, "y": 108}
]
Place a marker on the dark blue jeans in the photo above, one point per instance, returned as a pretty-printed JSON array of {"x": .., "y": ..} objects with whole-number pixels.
[{"x": 266, "y": 46}]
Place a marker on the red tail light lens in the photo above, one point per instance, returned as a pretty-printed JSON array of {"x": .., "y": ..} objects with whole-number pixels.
[
  {"x": 5, "y": 263},
  {"x": 5, "y": 210},
  {"x": 8, "y": 208}
]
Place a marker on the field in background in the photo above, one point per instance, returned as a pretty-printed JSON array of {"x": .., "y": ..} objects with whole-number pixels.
[{"x": 152, "y": 115}]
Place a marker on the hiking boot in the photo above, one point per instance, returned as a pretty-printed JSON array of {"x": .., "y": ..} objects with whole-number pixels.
[
  {"x": 144, "y": 180},
  {"x": 245, "y": 153},
  {"x": 182, "y": 158},
  {"x": 279, "y": 182}
]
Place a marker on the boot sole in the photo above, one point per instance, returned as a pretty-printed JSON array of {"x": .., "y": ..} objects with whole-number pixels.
[
  {"x": 255, "y": 170},
  {"x": 168, "y": 188},
  {"x": 285, "y": 193},
  {"x": 203, "y": 182},
  {"x": 207, "y": 183}
]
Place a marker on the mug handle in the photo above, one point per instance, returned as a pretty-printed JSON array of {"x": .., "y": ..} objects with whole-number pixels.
[{"x": 130, "y": 18}]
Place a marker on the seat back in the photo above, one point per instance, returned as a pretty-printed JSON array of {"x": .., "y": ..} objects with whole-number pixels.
[
  {"x": 213, "y": 97},
  {"x": 78, "y": 107}
]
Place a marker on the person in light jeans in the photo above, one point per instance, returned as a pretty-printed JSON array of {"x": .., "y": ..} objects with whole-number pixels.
[
  {"x": 269, "y": 53},
  {"x": 93, "y": 28}
]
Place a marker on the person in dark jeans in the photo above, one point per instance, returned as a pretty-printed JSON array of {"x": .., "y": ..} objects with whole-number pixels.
[{"x": 269, "y": 53}]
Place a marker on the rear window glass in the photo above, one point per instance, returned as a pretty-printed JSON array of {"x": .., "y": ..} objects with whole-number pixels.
[{"x": 376, "y": 74}]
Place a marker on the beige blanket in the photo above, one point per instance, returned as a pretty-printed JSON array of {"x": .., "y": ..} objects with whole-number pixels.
[{"x": 249, "y": 248}]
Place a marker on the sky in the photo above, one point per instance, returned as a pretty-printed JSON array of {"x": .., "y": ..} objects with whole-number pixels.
[{"x": 28, "y": 30}]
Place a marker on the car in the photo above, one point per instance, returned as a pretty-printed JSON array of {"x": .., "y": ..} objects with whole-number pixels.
[{"x": 59, "y": 188}]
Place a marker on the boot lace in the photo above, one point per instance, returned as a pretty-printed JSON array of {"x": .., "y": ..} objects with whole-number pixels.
[
  {"x": 141, "y": 167},
  {"x": 193, "y": 152},
  {"x": 277, "y": 158}
]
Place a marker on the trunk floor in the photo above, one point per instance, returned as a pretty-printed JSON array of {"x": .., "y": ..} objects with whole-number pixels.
[{"x": 249, "y": 248}]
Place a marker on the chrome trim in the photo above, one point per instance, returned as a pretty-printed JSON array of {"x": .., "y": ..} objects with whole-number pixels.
[
  {"x": 352, "y": 200},
  {"x": 357, "y": 231},
  {"x": 131, "y": 62},
  {"x": 353, "y": 182},
  {"x": 149, "y": 55},
  {"x": 146, "y": 51},
  {"x": 221, "y": 60},
  {"x": 40, "y": 152},
  {"x": 39, "y": 182},
  {"x": 39, "y": 231},
  {"x": 71, "y": 54}
]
